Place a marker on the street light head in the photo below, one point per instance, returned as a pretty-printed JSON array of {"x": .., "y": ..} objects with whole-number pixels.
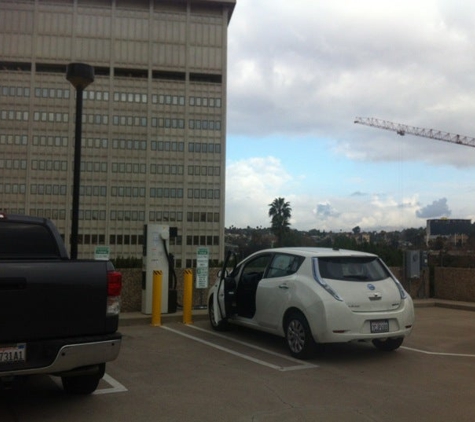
[{"x": 80, "y": 75}]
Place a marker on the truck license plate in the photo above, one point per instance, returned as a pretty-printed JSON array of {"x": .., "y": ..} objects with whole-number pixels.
[
  {"x": 380, "y": 326},
  {"x": 13, "y": 353}
]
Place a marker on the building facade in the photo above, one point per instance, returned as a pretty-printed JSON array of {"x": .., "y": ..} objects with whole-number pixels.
[
  {"x": 153, "y": 122},
  {"x": 454, "y": 229}
]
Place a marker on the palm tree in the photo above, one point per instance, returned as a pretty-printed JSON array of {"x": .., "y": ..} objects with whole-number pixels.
[{"x": 280, "y": 213}]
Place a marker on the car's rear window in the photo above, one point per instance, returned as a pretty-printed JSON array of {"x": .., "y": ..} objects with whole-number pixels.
[
  {"x": 22, "y": 241},
  {"x": 352, "y": 268}
]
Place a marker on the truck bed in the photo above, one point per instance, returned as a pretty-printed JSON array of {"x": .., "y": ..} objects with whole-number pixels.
[{"x": 47, "y": 299}]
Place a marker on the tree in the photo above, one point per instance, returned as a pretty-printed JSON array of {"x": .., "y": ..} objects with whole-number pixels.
[
  {"x": 416, "y": 237},
  {"x": 280, "y": 213}
]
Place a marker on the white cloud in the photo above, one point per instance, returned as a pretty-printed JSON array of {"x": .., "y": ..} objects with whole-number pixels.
[
  {"x": 305, "y": 69},
  {"x": 251, "y": 185},
  {"x": 437, "y": 209},
  {"x": 369, "y": 212}
]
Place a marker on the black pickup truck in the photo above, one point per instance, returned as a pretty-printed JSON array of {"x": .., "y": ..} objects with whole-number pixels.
[{"x": 57, "y": 316}]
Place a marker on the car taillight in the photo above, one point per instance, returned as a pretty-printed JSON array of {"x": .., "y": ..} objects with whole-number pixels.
[
  {"x": 402, "y": 292},
  {"x": 114, "y": 288}
]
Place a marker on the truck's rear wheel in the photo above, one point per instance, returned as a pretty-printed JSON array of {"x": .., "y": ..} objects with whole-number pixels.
[{"x": 83, "y": 384}]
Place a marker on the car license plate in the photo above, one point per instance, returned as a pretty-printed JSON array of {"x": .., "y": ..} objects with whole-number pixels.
[
  {"x": 380, "y": 326},
  {"x": 13, "y": 353}
]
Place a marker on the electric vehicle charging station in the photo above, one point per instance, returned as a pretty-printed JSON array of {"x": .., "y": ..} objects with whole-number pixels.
[{"x": 155, "y": 258}]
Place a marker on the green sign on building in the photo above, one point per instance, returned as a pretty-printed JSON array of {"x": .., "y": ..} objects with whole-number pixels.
[{"x": 102, "y": 253}]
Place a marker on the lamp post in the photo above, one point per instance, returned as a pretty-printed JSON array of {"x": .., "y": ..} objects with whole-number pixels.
[{"x": 80, "y": 75}]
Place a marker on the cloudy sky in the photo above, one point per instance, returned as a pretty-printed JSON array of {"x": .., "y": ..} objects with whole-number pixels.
[{"x": 300, "y": 71}]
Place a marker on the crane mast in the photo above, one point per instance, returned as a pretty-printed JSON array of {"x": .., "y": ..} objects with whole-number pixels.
[{"x": 402, "y": 130}]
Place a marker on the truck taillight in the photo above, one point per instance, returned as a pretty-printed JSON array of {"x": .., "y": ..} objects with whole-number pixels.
[
  {"x": 114, "y": 287},
  {"x": 114, "y": 283}
]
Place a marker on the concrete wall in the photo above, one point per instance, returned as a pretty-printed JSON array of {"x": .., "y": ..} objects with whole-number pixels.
[
  {"x": 418, "y": 288},
  {"x": 132, "y": 288},
  {"x": 449, "y": 284},
  {"x": 454, "y": 284}
]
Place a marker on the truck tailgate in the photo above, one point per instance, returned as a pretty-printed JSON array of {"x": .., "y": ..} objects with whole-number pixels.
[{"x": 50, "y": 299}]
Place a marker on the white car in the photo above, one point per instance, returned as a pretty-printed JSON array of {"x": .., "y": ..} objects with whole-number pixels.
[{"x": 313, "y": 296}]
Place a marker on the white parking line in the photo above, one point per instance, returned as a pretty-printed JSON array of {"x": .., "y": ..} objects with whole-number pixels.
[
  {"x": 269, "y": 352},
  {"x": 301, "y": 364},
  {"x": 116, "y": 386},
  {"x": 463, "y": 355}
]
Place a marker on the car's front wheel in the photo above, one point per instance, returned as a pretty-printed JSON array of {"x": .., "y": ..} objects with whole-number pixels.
[
  {"x": 299, "y": 336},
  {"x": 222, "y": 325},
  {"x": 388, "y": 344}
]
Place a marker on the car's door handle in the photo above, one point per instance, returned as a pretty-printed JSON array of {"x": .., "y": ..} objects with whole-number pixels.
[{"x": 283, "y": 286}]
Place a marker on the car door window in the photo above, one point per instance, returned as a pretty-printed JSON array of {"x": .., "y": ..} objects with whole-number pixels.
[
  {"x": 251, "y": 275},
  {"x": 283, "y": 265},
  {"x": 254, "y": 270}
]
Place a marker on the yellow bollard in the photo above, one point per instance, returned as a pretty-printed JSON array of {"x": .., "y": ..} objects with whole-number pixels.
[
  {"x": 187, "y": 296},
  {"x": 157, "y": 299}
]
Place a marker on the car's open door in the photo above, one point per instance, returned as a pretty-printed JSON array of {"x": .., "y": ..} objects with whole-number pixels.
[{"x": 224, "y": 301}]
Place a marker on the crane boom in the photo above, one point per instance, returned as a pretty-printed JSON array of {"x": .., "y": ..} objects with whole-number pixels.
[{"x": 402, "y": 130}]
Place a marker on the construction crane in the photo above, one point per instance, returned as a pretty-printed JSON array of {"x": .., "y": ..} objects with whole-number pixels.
[{"x": 402, "y": 130}]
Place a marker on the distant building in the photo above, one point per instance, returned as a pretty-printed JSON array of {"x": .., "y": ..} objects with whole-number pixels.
[
  {"x": 363, "y": 238},
  {"x": 154, "y": 120},
  {"x": 448, "y": 228}
]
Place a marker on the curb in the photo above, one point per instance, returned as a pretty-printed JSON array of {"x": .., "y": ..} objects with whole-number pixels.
[
  {"x": 441, "y": 303},
  {"x": 138, "y": 318}
]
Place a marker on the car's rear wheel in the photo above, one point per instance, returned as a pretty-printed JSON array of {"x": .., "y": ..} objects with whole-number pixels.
[
  {"x": 222, "y": 325},
  {"x": 299, "y": 336},
  {"x": 388, "y": 344}
]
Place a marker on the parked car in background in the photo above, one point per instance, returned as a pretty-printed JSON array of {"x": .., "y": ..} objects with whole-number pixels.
[{"x": 313, "y": 296}]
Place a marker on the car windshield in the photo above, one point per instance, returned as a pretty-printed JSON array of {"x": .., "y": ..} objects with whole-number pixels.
[{"x": 351, "y": 268}]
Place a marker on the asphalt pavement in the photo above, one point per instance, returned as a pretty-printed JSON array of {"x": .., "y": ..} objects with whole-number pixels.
[{"x": 188, "y": 372}]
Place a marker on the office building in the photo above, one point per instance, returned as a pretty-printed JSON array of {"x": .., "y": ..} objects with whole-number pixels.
[
  {"x": 456, "y": 229},
  {"x": 153, "y": 120}
]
